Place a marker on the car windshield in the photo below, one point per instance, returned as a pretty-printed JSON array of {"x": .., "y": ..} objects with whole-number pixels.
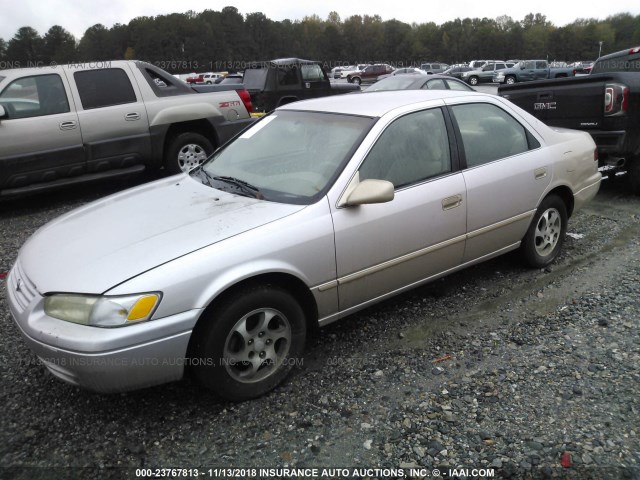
[
  {"x": 393, "y": 83},
  {"x": 288, "y": 156}
]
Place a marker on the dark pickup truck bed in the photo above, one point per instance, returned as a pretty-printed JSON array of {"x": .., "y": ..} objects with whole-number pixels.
[{"x": 605, "y": 103}]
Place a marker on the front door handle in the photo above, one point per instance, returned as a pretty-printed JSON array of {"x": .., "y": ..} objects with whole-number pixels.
[
  {"x": 452, "y": 202},
  {"x": 131, "y": 117},
  {"x": 68, "y": 125}
]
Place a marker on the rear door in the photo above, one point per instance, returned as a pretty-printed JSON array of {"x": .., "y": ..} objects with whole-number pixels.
[
  {"x": 506, "y": 175},
  {"x": 40, "y": 138},
  {"x": 542, "y": 70},
  {"x": 112, "y": 115}
]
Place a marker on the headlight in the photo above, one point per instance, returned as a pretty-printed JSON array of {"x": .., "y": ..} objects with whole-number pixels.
[{"x": 102, "y": 311}]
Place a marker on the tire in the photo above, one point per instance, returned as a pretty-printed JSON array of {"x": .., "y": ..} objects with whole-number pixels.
[
  {"x": 633, "y": 172},
  {"x": 473, "y": 81},
  {"x": 356, "y": 80},
  {"x": 543, "y": 241},
  {"x": 510, "y": 80},
  {"x": 249, "y": 343},
  {"x": 186, "y": 151}
]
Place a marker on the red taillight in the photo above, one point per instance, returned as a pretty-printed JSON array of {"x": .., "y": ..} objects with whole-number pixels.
[
  {"x": 246, "y": 99},
  {"x": 616, "y": 99},
  {"x": 595, "y": 154},
  {"x": 634, "y": 50}
]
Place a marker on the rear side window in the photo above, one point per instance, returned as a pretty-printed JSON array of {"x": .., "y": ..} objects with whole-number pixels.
[
  {"x": 288, "y": 75},
  {"x": 489, "y": 133},
  {"x": 104, "y": 88}
]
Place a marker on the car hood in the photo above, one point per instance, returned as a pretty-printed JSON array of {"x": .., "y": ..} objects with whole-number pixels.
[{"x": 96, "y": 247}]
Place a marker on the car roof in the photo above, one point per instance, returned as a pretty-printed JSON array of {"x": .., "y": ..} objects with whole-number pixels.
[{"x": 385, "y": 101}]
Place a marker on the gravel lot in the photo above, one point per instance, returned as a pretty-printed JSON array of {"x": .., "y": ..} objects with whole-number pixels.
[{"x": 495, "y": 367}]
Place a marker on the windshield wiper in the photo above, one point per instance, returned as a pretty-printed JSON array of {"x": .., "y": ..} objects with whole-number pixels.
[
  {"x": 204, "y": 175},
  {"x": 247, "y": 188}
]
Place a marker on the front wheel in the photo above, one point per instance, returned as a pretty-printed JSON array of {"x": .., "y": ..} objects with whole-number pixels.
[
  {"x": 510, "y": 80},
  {"x": 249, "y": 343},
  {"x": 473, "y": 81},
  {"x": 186, "y": 151},
  {"x": 543, "y": 241},
  {"x": 356, "y": 80}
]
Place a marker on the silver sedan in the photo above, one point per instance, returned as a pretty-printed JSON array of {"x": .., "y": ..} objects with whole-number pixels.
[{"x": 318, "y": 210}]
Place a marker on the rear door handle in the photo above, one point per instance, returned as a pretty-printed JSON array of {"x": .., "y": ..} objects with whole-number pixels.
[
  {"x": 131, "y": 117},
  {"x": 452, "y": 202},
  {"x": 68, "y": 125}
]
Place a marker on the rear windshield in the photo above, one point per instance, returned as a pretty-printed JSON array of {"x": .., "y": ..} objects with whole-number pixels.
[
  {"x": 399, "y": 82},
  {"x": 626, "y": 63}
]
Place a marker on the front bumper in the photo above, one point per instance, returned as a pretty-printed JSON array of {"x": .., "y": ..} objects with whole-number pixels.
[{"x": 101, "y": 359}]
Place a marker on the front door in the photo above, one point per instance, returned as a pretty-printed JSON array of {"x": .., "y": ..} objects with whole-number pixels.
[{"x": 386, "y": 247}]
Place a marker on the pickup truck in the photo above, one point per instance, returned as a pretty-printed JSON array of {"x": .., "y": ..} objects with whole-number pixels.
[
  {"x": 82, "y": 122},
  {"x": 605, "y": 103},
  {"x": 528, "y": 70},
  {"x": 278, "y": 82}
]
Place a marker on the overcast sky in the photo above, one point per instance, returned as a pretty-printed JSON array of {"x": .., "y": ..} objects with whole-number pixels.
[{"x": 78, "y": 15}]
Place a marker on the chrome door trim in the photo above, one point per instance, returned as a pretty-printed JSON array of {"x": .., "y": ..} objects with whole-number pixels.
[
  {"x": 341, "y": 314},
  {"x": 396, "y": 261},
  {"x": 418, "y": 253},
  {"x": 501, "y": 224}
]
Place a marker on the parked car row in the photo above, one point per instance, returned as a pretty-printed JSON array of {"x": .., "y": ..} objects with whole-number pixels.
[{"x": 475, "y": 72}]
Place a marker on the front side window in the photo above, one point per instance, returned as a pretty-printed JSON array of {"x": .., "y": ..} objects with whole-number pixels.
[
  {"x": 34, "y": 96},
  {"x": 104, "y": 88},
  {"x": 311, "y": 73},
  {"x": 413, "y": 148},
  {"x": 489, "y": 133}
]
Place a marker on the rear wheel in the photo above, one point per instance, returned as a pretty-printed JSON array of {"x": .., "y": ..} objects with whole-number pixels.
[
  {"x": 543, "y": 241},
  {"x": 249, "y": 343},
  {"x": 186, "y": 151}
]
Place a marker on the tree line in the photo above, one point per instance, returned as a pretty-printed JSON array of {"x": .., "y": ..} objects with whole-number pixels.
[{"x": 227, "y": 40}]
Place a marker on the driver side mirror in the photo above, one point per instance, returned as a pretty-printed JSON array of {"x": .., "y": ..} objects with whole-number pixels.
[{"x": 370, "y": 191}]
